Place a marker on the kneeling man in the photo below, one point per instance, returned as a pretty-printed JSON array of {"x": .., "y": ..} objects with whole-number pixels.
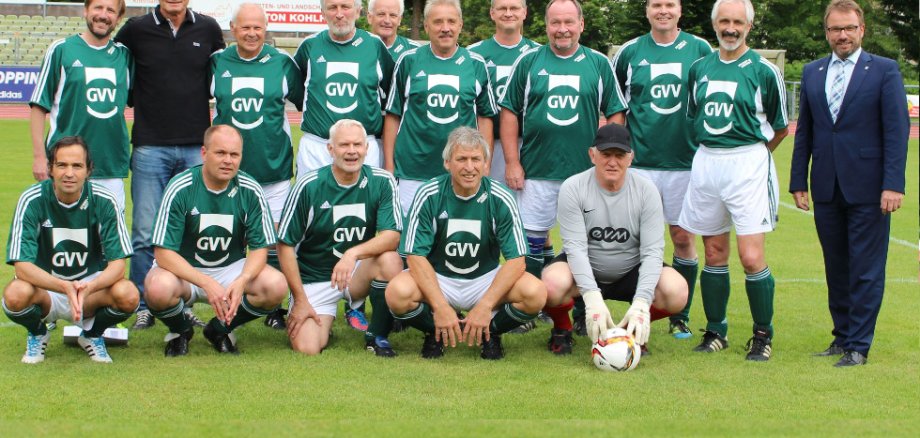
[
  {"x": 209, "y": 215},
  {"x": 68, "y": 244},
  {"x": 612, "y": 229},
  {"x": 457, "y": 226},
  {"x": 337, "y": 240}
]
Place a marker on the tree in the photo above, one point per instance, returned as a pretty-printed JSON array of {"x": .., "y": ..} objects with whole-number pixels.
[{"x": 905, "y": 23}]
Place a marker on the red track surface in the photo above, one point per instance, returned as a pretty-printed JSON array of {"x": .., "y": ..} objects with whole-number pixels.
[{"x": 22, "y": 112}]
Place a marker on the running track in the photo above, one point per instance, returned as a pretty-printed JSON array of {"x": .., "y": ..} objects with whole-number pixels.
[{"x": 22, "y": 112}]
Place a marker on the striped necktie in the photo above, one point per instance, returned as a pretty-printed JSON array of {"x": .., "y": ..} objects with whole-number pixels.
[{"x": 837, "y": 88}]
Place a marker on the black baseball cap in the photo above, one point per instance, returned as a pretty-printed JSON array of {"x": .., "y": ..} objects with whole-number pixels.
[{"x": 612, "y": 135}]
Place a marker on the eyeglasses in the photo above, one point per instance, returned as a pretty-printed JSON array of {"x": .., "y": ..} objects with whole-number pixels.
[{"x": 848, "y": 29}]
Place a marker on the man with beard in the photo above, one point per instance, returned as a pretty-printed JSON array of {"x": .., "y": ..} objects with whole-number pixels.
[
  {"x": 384, "y": 16},
  {"x": 84, "y": 84},
  {"x": 737, "y": 108}
]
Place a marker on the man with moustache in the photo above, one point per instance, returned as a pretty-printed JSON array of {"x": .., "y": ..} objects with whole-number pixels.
[
  {"x": 172, "y": 47},
  {"x": 853, "y": 129},
  {"x": 652, "y": 73},
  {"x": 384, "y": 16},
  {"x": 737, "y": 108},
  {"x": 84, "y": 84},
  {"x": 561, "y": 91}
]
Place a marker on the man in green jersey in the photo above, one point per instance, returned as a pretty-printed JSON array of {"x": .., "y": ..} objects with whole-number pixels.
[
  {"x": 737, "y": 109},
  {"x": 346, "y": 72},
  {"x": 68, "y": 245},
  {"x": 561, "y": 91},
  {"x": 384, "y": 17},
  {"x": 250, "y": 83},
  {"x": 337, "y": 240},
  {"x": 457, "y": 227},
  {"x": 210, "y": 215},
  {"x": 652, "y": 74},
  {"x": 83, "y": 84},
  {"x": 436, "y": 88}
]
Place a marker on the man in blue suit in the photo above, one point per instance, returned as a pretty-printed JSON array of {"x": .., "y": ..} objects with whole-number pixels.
[{"x": 853, "y": 128}]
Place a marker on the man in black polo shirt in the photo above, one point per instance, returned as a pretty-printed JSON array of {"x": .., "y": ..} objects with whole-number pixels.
[{"x": 171, "y": 47}]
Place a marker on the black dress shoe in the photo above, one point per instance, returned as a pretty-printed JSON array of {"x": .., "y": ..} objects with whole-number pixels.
[
  {"x": 851, "y": 358},
  {"x": 832, "y": 350}
]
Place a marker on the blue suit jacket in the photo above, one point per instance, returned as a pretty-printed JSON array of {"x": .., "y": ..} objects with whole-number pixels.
[{"x": 865, "y": 151}]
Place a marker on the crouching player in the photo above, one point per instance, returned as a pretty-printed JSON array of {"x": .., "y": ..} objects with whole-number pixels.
[
  {"x": 209, "y": 215},
  {"x": 457, "y": 225},
  {"x": 68, "y": 244},
  {"x": 337, "y": 240},
  {"x": 612, "y": 229}
]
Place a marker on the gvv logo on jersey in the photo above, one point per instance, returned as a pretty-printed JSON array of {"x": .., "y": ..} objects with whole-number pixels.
[
  {"x": 211, "y": 244},
  {"x": 247, "y": 104},
  {"x": 501, "y": 78},
  {"x": 609, "y": 234},
  {"x": 439, "y": 101},
  {"x": 464, "y": 248},
  {"x": 666, "y": 93},
  {"x": 101, "y": 97},
  {"x": 718, "y": 109},
  {"x": 342, "y": 91},
  {"x": 564, "y": 102},
  {"x": 348, "y": 234},
  {"x": 73, "y": 252}
]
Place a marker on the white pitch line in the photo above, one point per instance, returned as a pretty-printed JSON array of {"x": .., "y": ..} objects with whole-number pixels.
[{"x": 901, "y": 242}]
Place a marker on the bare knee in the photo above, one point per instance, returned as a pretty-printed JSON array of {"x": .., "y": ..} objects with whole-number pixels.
[
  {"x": 532, "y": 293},
  {"x": 558, "y": 284},
  {"x": 18, "y": 295},
  {"x": 308, "y": 345},
  {"x": 399, "y": 293},
  {"x": 391, "y": 264},
  {"x": 269, "y": 289},
  {"x": 717, "y": 251},
  {"x": 684, "y": 242},
  {"x": 753, "y": 261},
  {"x": 161, "y": 289},
  {"x": 125, "y": 295},
  {"x": 671, "y": 291}
]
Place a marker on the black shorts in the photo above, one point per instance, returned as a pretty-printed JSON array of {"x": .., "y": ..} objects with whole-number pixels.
[{"x": 623, "y": 289}]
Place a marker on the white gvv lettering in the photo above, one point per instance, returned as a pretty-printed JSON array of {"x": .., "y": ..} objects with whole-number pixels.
[
  {"x": 718, "y": 109},
  {"x": 349, "y": 234},
  {"x": 246, "y": 104},
  {"x": 67, "y": 259},
  {"x": 100, "y": 95},
  {"x": 214, "y": 243},
  {"x": 341, "y": 89},
  {"x": 442, "y": 100},
  {"x": 461, "y": 249},
  {"x": 555, "y": 101},
  {"x": 665, "y": 90}
]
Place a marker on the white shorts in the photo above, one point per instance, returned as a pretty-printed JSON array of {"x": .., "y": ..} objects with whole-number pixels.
[
  {"x": 672, "y": 185},
  {"x": 116, "y": 186},
  {"x": 223, "y": 275},
  {"x": 324, "y": 298},
  {"x": 275, "y": 195},
  {"x": 312, "y": 153},
  {"x": 497, "y": 171},
  {"x": 60, "y": 306},
  {"x": 731, "y": 186},
  {"x": 463, "y": 294},
  {"x": 537, "y": 203},
  {"x": 407, "y": 189}
]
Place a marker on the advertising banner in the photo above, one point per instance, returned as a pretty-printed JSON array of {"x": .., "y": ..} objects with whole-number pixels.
[{"x": 17, "y": 83}]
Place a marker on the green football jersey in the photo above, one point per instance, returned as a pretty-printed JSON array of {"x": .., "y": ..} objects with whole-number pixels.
[
  {"x": 736, "y": 103},
  {"x": 68, "y": 241},
  {"x": 653, "y": 78},
  {"x": 462, "y": 238},
  {"x": 401, "y": 45},
  {"x": 432, "y": 96},
  {"x": 249, "y": 94},
  {"x": 499, "y": 60},
  {"x": 85, "y": 91},
  {"x": 343, "y": 81},
  {"x": 208, "y": 229},
  {"x": 561, "y": 100},
  {"x": 323, "y": 218}
]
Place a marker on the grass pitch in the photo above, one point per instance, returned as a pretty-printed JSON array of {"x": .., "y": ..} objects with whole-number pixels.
[{"x": 346, "y": 391}]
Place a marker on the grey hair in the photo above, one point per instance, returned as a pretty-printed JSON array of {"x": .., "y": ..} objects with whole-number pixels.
[
  {"x": 358, "y": 4},
  {"x": 402, "y": 7},
  {"x": 523, "y": 3},
  {"x": 576, "y": 2},
  {"x": 466, "y": 138},
  {"x": 432, "y": 3},
  {"x": 748, "y": 9},
  {"x": 342, "y": 123},
  {"x": 239, "y": 7}
]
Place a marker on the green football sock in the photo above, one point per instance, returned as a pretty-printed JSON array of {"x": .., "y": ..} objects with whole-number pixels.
[
  {"x": 244, "y": 313},
  {"x": 534, "y": 264},
  {"x": 715, "y": 288},
  {"x": 273, "y": 259},
  {"x": 174, "y": 318},
  {"x": 760, "y": 289},
  {"x": 578, "y": 309},
  {"x": 381, "y": 319},
  {"x": 548, "y": 254},
  {"x": 420, "y": 318},
  {"x": 507, "y": 318},
  {"x": 687, "y": 269},
  {"x": 105, "y": 318},
  {"x": 30, "y": 318}
]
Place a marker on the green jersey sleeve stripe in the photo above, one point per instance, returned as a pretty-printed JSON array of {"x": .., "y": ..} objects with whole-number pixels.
[
  {"x": 394, "y": 201},
  {"x": 421, "y": 196},
  {"x": 290, "y": 205},
  {"x": 27, "y": 197},
  {"x": 175, "y": 186},
  {"x": 268, "y": 228},
  {"x": 123, "y": 237},
  {"x": 46, "y": 67},
  {"x": 780, "y": 88},
  {"x": 506, "y": 197}
]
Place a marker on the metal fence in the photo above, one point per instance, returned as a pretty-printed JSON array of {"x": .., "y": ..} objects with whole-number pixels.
[{"x": 792, "y": 97}]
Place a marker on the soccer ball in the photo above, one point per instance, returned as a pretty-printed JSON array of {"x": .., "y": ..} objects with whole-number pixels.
[{"x": 616, "y": 351}]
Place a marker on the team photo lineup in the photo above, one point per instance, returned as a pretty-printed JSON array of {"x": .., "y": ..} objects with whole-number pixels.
[{"x": 430, "y": 178}]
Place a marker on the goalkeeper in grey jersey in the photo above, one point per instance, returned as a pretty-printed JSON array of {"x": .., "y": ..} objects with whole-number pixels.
[{"x": 612, "y": 230}]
